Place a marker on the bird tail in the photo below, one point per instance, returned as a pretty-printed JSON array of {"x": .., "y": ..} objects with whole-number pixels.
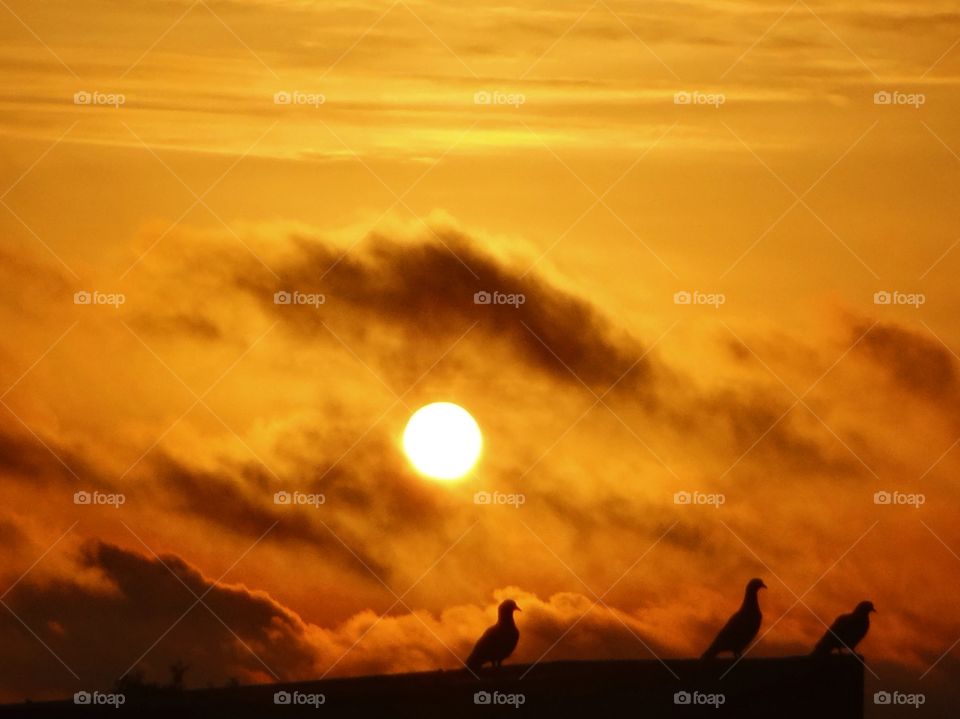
[
  {"x": 711, "y": 652},
  {"x": 473, "y": 662},
  {"x": 822, "y": 648}
]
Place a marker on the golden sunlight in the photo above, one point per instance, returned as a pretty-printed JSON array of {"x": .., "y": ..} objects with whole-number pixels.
[{"x": 442, "y": 440}]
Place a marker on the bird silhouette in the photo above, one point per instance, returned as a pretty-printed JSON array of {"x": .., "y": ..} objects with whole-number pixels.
[
  {"x": 742, "y": 627},
  {"x": 497, "y": 642},
  {"x": 847, "y": 630}
]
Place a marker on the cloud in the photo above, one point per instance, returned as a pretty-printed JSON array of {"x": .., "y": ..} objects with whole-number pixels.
[
  {"x": 136, "y": 616},
  {"x": 239, "y": 498},
  {"x": 99, "y": 631},
  {"x": 41, "y": 461},
  {"x": 426, "y": 289},
  {"x": 12, "y": 537},
  {"x": 397, "y": 301},
  {"x": 917, "y": 363}
]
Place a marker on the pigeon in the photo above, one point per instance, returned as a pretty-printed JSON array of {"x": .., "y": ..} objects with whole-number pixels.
[
  {"x": 742, "y": 627},
  {"x": 847, "y": 630},
  {"x": 499, "y": 641}
]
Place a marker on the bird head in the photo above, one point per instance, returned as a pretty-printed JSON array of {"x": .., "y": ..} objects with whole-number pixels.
[
  {"x": 864, "y": 608},
  {"x": 755, "y": 585},
  {"x": 507, "y": 608}
]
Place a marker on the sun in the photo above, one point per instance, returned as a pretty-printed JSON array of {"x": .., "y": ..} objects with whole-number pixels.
[{"x": 442, "y": 440}]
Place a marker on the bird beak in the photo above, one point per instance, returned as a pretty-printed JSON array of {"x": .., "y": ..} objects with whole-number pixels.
[
  {"x": 762, "y": 585},
  {"x": 518, "y": 609}
]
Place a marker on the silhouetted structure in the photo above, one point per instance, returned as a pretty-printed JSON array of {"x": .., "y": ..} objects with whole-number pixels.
[
  {"x": 176, "y": 675},
  {"x": 742, "y": 627},
  {"x": 499, "y": 641},
  {"x": 847, "y": 631},
  {"x": 828, "y": 687}
]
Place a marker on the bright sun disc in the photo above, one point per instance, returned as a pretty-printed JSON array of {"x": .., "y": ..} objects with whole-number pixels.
[{"x": 442, "y": 440}]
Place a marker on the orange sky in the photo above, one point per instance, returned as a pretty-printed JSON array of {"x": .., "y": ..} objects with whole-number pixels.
[{"x": 388, "y": 186}]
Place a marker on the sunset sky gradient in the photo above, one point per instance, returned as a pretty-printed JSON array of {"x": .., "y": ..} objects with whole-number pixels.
[{"x": 598, "y": 198}]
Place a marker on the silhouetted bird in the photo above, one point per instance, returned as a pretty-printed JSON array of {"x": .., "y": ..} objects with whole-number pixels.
[
  {"x": 499, "y": 641},
  {"x": 742, "y": 627},
  {"x": 847, "y": 630}
]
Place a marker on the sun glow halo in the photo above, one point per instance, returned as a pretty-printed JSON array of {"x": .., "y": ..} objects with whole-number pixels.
[{"x": 442, "y": 440}]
